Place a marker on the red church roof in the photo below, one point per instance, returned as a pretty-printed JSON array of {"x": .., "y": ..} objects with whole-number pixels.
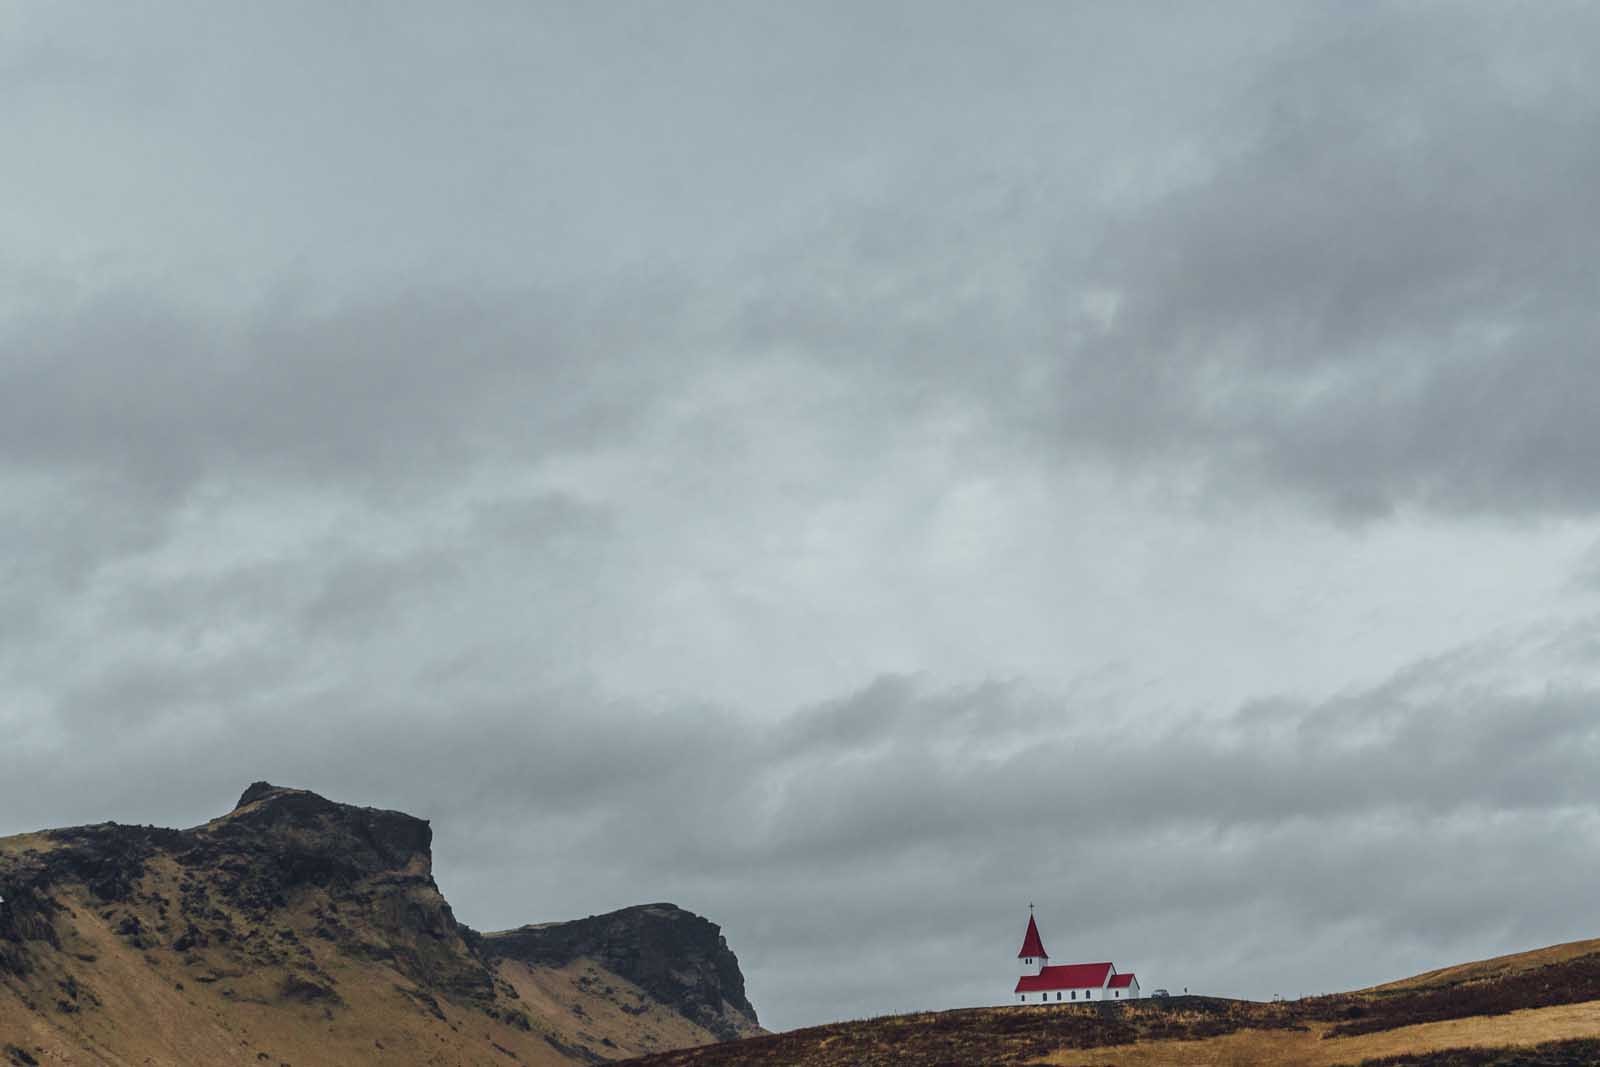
[
  {"x": 1066, "y": 976},
  {"x": 1031, "y": 945},
  {"x": 1120, "y": 981}
]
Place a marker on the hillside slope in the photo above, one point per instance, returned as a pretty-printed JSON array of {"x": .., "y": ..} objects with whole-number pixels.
[
  {"x": 295, "y": 930},
  {"x": 1537, "y": 1009},
  {"x": 1497, "y": 967}
]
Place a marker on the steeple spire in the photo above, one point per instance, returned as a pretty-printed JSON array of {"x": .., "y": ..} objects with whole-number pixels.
[{"x": 1032, "y": 946}]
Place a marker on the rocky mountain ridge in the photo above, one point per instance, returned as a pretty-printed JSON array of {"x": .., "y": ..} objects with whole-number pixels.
[
  {"x": 676, "y": 956},
  {"x": 124, "y": 944}
]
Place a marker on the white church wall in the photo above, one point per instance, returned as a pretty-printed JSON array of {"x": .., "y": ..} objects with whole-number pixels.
[{"x": 1061, "y": 996}]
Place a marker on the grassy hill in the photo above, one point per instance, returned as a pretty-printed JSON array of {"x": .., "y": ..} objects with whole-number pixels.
[
  {"x": 297, "y": 931},
  {"x": 1536, "y": 1009},
  {"x": 1499, "y": 966}
]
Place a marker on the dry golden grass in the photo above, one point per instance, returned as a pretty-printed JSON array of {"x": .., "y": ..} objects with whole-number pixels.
[
  {"x": 587, "y": 1006},
  {"x": 1498, "y": 967},
  {"x": 1068, "y": 1038},
  {"x": 1308, "y": 1048},
  {"x": 106, "y": 1002},
  {"x": 20, "y": 843},
  {"x": 1533, "y": 998}
]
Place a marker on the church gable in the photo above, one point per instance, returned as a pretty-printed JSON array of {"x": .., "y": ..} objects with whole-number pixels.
[{"x": 1043, "y": 982}]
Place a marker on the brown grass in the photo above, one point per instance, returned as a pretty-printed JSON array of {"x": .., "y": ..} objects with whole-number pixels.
[
  {"x": 1498, "y": 967},
  {"x": 1312, "y": 1048},
  {"x": 1507, "y": 1003},
  {"x": 990, "y": 1036},
  {"x": 20, "y": 843},
  {"x": 1582, "y": 1053},
  {"x": 283, "y": 995},
  {"x": 1495, "y": 990}
]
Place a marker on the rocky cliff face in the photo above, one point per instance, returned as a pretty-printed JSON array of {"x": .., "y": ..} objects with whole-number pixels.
[
  {"x": 145, "y": 944},
  {"x": 676, "y": 956},
  {"x": 235, "y": 873}
]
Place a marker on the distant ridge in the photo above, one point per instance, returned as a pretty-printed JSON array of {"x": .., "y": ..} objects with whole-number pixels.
[{"x": 297, "y": 930}]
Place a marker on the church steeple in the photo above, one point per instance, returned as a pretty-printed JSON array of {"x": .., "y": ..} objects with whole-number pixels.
[{"x": 1032, "y": 953}]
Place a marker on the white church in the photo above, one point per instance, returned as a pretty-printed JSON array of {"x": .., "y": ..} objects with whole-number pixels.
[{"x": 1065, "y": 983}]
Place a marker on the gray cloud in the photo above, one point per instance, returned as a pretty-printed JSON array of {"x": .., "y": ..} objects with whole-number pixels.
[
  {"x": 1363, "y": 303},
  {"x": 406, "y": 387},
  {"x": 1348, "y": 297},
  {"x": 1369, "y": 290}
]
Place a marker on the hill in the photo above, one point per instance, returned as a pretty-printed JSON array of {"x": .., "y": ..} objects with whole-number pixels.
[
  {"x": 1499, "y": 966},
  {"x": 299, "y": 931},
  {"x": 1537, "y": 1009}
]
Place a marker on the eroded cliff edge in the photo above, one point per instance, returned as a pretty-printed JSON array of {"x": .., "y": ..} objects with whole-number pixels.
[
  {"x": 676, "y": 956},
  {"x": 127, "y": 942}
]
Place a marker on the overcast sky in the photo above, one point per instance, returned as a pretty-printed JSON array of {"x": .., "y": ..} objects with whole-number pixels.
[{"x": 848, "y": 469}]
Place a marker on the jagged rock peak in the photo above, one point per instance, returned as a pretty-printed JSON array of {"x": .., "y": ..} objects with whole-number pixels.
[
  {"x": 676, "y": 956},
  {"x": 371, "y": 838},
  {"x": 256, "y": 791}
]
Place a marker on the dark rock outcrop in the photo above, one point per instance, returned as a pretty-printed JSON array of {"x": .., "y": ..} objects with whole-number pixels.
[
  {"x": 289, "y": 839},
  {"x": 677, "y": 957},
  {"x": 276, "y": 846},
  {"x": 286, "y": 868},
  {"x": 317, "y": 839}
]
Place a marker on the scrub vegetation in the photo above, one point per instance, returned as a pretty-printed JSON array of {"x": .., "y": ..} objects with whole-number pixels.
[{"x": 1534, "y": 1009}]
